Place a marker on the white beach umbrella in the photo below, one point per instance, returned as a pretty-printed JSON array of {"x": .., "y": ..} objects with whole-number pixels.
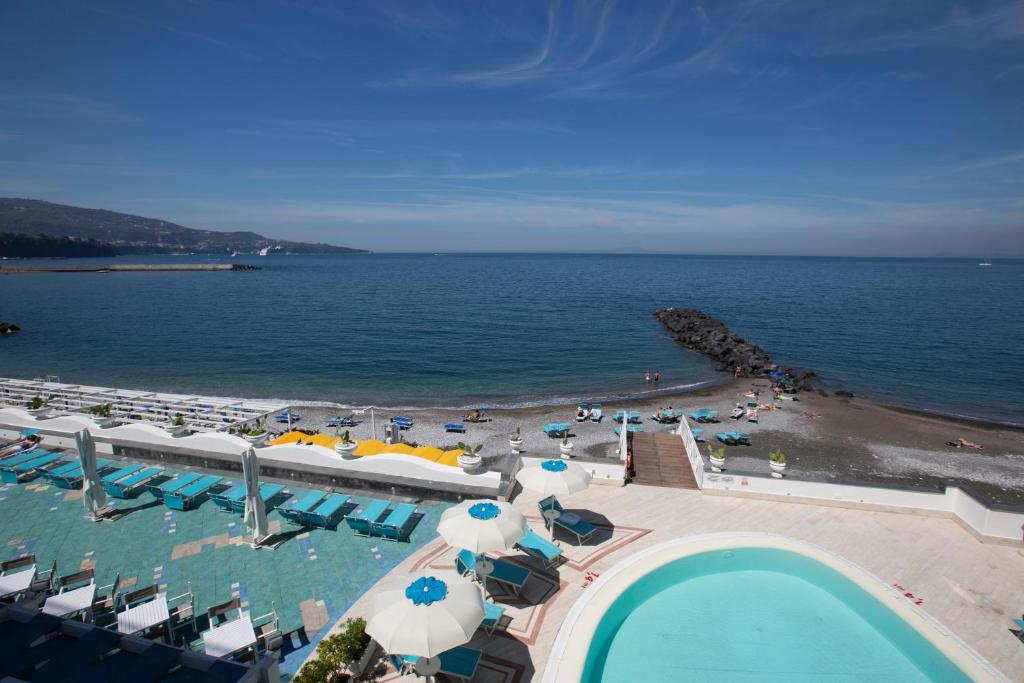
[
  {"x": 481, "y": 526},
  {"x": 432, "y": 613},
  {"x": 624, "y": 440},
  {"x": 93, "y": 496},
  {"x": 554, "y": 477},
  {"x": 255, "y": 508}
]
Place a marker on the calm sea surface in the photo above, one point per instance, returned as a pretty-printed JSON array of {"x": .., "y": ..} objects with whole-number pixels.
[{"x": 459, "y": 330}]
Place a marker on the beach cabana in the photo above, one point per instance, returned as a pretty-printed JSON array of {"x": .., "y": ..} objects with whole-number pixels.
[{"x": 255, "y": 515}]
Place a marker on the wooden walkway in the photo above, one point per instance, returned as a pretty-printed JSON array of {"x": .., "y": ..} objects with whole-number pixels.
[{"x": 659, "y": 460}]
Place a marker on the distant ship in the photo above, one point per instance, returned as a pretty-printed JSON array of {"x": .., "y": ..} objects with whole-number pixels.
[
  {"x": 985, "y": 263},
  {"x": 264, "y": 251}
]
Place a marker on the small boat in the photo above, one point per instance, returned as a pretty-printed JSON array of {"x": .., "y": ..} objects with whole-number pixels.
[{"x": 985, "y": 263}]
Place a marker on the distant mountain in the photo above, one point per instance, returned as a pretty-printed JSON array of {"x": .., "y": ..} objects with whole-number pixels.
[{"x": 127, "y": 234}]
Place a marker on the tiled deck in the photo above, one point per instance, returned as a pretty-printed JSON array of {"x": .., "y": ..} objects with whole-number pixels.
[
  {"x": 311, "y": 578},
  {"x": 975, "y": 589}
]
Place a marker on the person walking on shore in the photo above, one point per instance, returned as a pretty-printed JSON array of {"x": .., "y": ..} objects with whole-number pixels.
[{"x": 647, "y": 377}]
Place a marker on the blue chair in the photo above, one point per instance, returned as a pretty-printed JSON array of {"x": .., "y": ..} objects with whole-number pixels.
[
  {"x": 492, "y": 617},
  {"x": 329, "y": 512},
  {"x": 557, "y": 430},
  {"x": 540, "y": 548},
  {"x": 398, "y": 524},
  {"x": 566, "y": 521},
  {"x": 296, "y": 512},
  {"x": 361, "y": 520},
  {"x": 192, "y": 496},
  {"x": 509, "y": 575}
]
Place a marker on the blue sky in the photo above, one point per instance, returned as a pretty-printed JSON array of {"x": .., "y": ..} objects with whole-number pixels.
[{"x": 774, "y": 127}]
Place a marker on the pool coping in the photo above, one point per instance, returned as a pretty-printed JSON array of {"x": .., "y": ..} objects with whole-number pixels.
[{"x": 568, "y": 655}]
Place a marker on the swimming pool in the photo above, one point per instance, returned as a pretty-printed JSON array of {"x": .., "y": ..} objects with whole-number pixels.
[{"x": 753, "y": 608}]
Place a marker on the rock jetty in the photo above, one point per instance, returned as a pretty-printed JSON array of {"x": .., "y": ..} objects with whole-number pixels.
[
  {"x": 8, "y": 328},
  {"x": 699, "y": 332}
]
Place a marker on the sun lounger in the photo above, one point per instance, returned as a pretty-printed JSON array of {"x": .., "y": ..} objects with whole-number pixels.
[
  {"x": 296, "y": 512},
  {"x": 403, "y": 422},
  {"x": 508, "y": 574},
  {"x": 630, "y": 429},
  {"x": 192, "y": 496},
  {"x": 630, "y": 416},
  {"x": 398, "y": 524},
  {"x": 327, "y": 514},
  {"x": 595, "y": 412},
  {"x": 582, "y": 412},
  {"x": 267, "y": 493},
  {"x": 361, "y": 520},
  {"x": 179, "y": 482},
  {"x": 704, "y": 415},
  {"x": 70, "y": 476},
  {"x": 540, "y": 548},
  {"x": 566, "y": 521},
  {"x": 286, "y": 416},
  {"x": 557, "y": 429},
  {"x": 7, "y": 472},
  {"x": 460, "y": 663},
  {"x": 225, "y": 498},
  {"x": 347, "y": 421},
  {"x": 131, "y": 486},
  {"x": 698, "y": 434},
  {"x": 27, "y": 470},
  {"x": 455, "y": 427}
]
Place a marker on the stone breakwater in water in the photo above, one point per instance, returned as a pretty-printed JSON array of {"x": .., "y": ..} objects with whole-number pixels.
[{"x": 697, "y": 331}]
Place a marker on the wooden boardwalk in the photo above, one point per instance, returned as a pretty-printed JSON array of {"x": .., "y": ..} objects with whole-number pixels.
[{"x": 659, "y": 460}]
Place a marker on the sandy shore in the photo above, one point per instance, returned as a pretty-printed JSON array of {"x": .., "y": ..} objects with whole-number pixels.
[{"x": 825, "y": 438}]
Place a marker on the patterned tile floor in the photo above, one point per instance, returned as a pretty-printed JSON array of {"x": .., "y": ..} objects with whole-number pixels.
[{"x": 312, "y": 578}]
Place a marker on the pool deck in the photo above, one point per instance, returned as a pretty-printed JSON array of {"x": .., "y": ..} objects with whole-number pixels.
[{"x": 975, "y": 589}]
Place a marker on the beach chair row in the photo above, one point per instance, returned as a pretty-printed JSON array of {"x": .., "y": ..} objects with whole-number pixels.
[{"x": 393, "y": 522}]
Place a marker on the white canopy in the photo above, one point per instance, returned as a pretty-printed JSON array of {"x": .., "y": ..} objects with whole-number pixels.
[
  {"x": 554, "y": 477},
  {"x": 482, "y": 526}
]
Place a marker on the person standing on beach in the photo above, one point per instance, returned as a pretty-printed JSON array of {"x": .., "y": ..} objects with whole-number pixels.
[
  {"x": 647, "y": 377},
  {"x": 657, "y": 376}
]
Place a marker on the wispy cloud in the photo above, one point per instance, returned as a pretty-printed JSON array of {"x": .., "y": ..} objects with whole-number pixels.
[
  {"x": 981, "y": 164},
  {"x": 62, "y": 105}
]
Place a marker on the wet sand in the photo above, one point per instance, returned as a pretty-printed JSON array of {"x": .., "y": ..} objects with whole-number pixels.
[{"x": 825, "y": 438}]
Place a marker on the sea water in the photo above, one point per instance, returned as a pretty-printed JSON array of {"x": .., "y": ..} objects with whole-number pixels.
[{"x": 462, "y": 330}]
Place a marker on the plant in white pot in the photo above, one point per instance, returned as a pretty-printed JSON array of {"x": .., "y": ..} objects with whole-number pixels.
[
  {"x": 346, "y": 445},
  {"x": 37, "y": 406},
  {"x": 777, "y": 461},
  {"x": 101, "y": 414},
  {"x": 566, "y": 446},
  {"x": 176, "y": 426},
  {"x": 470, "y": 458},
  {"x": 255, "y": 435},
  {"x": 717, "y": 457},
  {"x": 515, "y": 440}
]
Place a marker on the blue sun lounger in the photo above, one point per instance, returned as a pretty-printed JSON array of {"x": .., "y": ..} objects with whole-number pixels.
[
  {"x": 179, "y": 482},
  {"x": 327, "y": 514},
  {"x": 567, "y": 521},
  {"x": 236, "y": 502},
  {"x": 595, "y": 412},
  {"x": 509, "y": 575},
  {"x": 129, "y": 487},
  {"x": 398, "y": 525},
  {"x": 557, "y": 429},
  {"x": 402, "y": 421},
  {"x": 630, "y": 428},
  {"x": 192, "y": 496},
  {"x": 734, "y": 438},
  {"x": 455, "y": 427},
  {"x": 224, "y": 498},
  {"x": 631, "y": 416},
  {"x": 540, "y": 548},
  {"x": 296, "y": 512},
  {"x": 459, "y": 663},
  {"x": 10, "y": 463},
  {"x": 361, "y": 520},
  {"x": 70, "y": 476},
  {"x": 29, "y": 469}
]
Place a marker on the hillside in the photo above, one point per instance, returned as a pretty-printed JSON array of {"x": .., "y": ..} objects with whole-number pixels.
[{"x": 128, "y": 234}]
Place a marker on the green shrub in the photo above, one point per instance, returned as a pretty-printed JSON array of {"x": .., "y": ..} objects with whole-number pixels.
[
  {"x": 335, "y": 652},
  {"x": 36, "y": 403},
  {"x": 777, "y": 457}
]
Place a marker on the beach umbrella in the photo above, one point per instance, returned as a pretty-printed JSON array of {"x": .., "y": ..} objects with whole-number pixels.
[
  {"x": 255, "y": 508},
  {"x": 481, "y": 526},
  {"x": 623, "y": 441},
  {"x": 554, "y": 477},
  {"x": 431, "y": 613},
  {"x": 93, "y": 496}
]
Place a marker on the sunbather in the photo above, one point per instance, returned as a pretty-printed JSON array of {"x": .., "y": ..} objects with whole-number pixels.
[{"x": 964, "y": 443}]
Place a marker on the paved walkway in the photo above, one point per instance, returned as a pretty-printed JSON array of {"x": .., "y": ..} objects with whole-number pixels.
[{"x": 976, "y": 589}]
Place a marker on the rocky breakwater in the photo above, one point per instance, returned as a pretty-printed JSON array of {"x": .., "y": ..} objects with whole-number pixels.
[
  {"x": 8, "y": 328},
  {"x": 697, "y": 331}
]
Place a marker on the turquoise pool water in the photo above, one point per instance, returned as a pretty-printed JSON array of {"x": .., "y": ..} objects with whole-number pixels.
[{"x": 757, "y": 614}]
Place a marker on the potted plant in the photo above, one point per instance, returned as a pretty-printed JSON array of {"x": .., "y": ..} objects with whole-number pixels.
[
  {"x": 717, "y": 457},
  {"x": 344, "y": 654},
  {"x": 566, "y": 446},
  {"x": 177, "y": 425},
  {"x": 515, "y": 441},
  {"x": 101, "y": 414},
  {"x": 37, "y": 406},
  {"x": 255, "y": 434},
  {"x": 346, "y": 445},
  {"x": 470, "y": 458},
  {"x": 777, "y": 461}
]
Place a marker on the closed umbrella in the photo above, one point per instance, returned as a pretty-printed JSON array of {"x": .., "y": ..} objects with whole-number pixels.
[
  {"x": 554, "y": 477},
  {"x": 432, "y": 613},
  {"x": 481, "y": 526},
  {"x": 93, "y": 496},
  {"x": 255, "y": 508}
]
